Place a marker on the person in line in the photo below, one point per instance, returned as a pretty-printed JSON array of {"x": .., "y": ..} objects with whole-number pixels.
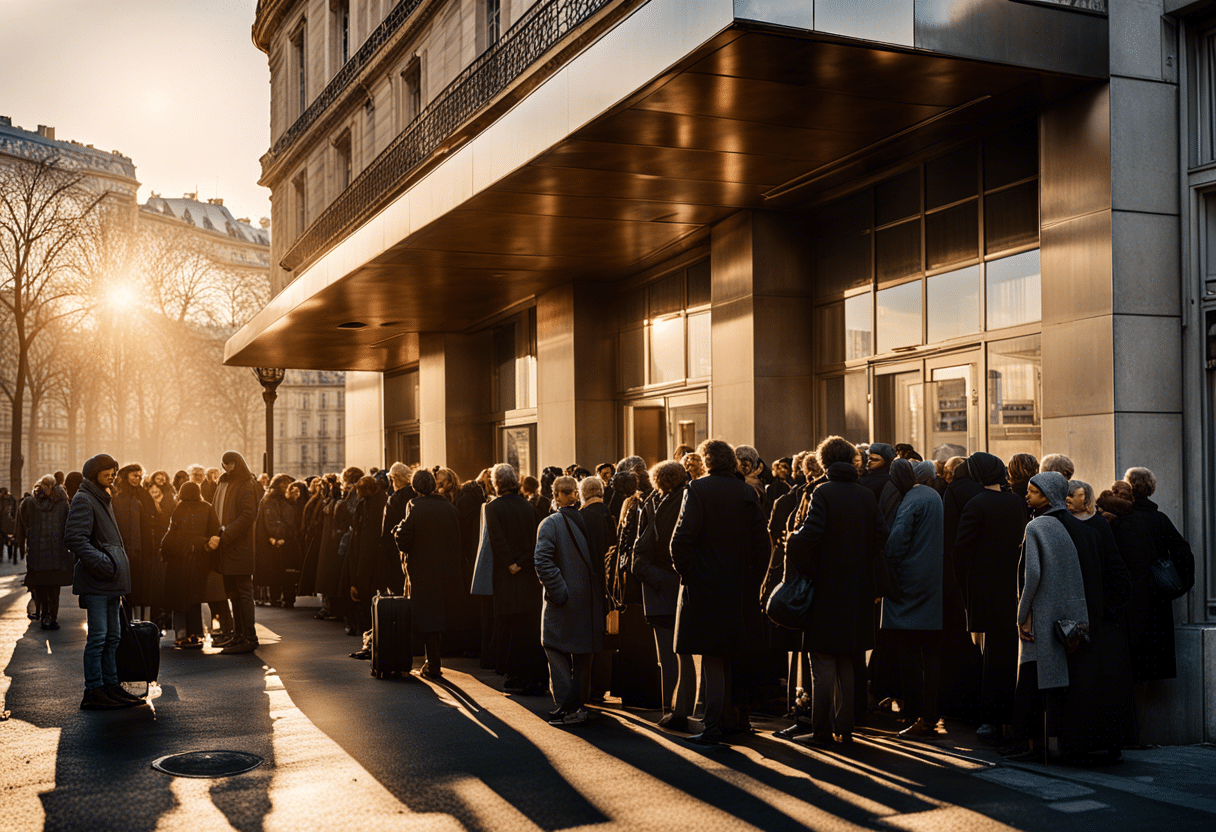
[
  {"x": 987, "y": 549},
  {"x": 429, "y": 541},
  {"x": 394, "y": 512},
  {"x": 236, "y": 502},
  {"x": 276, "y": 543},
  {"x": 653, "y": 567},
  {"x": 210, "y": 484},
  {"x": 135, "y": 510},
  {"x": 8, "y": 524},
  {"x": 365, "y": 570},
  {"x": 1060, "y": 464},
  {"x": 843, "y": 532},
  {"x": 40, "y": 529},
  {"x": 601, "y": 536},
  {"x": 719, "y": 540},
  {"x": 186, "y": 550},
  {"x": 101, "y": 577},
  {"x": 1021, "y": 468},
  {"x": 574, "y": 603},
  {"x": 511, "y": 530}
]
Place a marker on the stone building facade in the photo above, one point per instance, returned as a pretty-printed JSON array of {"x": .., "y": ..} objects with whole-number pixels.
[
  {"x": 309, "y": 429},
  {"x": 567, "y": 230}
]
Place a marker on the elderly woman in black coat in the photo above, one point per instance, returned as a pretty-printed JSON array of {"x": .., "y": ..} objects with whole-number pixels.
[
  {"x": 186, "y": 551},
  {"x": 652, "y": 565},
  {"x": 39, "y": 530},
  {"x": 429, "y": 541},
  {"x": 720, "y": 540},
  {"x": 277, "y": 542}
]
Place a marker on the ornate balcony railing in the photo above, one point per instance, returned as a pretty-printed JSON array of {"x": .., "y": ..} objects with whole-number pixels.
[
  {"x": 544, "y": 26},
  {"x": 347, "y": 74}
]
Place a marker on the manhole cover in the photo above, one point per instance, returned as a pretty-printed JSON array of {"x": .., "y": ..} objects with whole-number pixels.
[{"x": 207, "y": 763}]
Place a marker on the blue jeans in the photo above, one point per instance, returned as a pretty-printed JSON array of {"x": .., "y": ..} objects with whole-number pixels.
[{"x": 102, "y": 642}]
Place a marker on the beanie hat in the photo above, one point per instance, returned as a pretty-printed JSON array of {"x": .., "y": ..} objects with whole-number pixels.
[{"x": 95, "y": 465}]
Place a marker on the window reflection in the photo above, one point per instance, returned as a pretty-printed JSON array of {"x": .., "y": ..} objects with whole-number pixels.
[
  {"x": 633, "y": 358},
  {"x": 899, "y": 316},
  {"x": 667, "y": 350},
  {"x": 1014, "y": 289},
  {"x": 954, "y": 304},
  {"x": 858, "y": 327},
  {"x": 699, "y": 364},
  {"x": 1015, "y": 396}
]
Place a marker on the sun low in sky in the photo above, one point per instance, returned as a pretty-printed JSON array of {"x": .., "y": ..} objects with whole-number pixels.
[{"x": 177, "y": 85}]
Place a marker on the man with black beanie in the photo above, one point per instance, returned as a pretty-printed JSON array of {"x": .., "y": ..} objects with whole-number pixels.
[{"x": 101, "y": 577}]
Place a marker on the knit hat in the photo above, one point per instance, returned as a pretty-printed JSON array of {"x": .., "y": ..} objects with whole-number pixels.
[
  {"x": 1054, "y": 488},
  {"x": 883, "y": 450},
  {"x": 903, "y": 475},
  {"x": 95, "y": 465},
  {"x": 986, "y": 468},
  {"x": 925, "y": 472}
]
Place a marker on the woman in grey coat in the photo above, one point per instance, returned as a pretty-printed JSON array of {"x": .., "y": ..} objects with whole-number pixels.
[
  {"x": 1052, "y": 589},
  {"x": 572, "y": 618},
  {"x": 916, "y": 555}
]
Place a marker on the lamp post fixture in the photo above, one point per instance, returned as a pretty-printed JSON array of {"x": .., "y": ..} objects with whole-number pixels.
[{"x": 270, "y": 378}]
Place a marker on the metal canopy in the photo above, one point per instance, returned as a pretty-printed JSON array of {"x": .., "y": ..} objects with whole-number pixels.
[{"x": 749, "y": 112}]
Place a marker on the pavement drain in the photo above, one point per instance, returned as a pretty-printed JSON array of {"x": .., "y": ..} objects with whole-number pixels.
[{"x": 207, "y": 764}]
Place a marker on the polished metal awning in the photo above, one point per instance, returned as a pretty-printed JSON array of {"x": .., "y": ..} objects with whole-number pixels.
[{"x": 752, "y": 118}]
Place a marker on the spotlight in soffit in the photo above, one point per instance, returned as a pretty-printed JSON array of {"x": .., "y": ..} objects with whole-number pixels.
[{"x": 352, "y": 325}]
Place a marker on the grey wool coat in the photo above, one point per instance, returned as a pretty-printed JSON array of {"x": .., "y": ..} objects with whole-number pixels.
[
  {"x": 1053, "y": 589},
  {"x": 916, "y": 555},
  {"x": 572, "y": 619}
]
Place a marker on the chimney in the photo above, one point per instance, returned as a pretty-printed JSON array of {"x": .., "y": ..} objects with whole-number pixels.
[
  {"x": 244, "y": 220},
  {"x": 192, "y": 196},
  {"x": 7, "y": 121},
  {"x": 264, "y": 222},
  {"x": 215, "y": 200},
  {"x": 46, "y": 132}
]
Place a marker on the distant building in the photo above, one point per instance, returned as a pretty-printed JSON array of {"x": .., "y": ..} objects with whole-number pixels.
[{"x": 310, "y": 413}]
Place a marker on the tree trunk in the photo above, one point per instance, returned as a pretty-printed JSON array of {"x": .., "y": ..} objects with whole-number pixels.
[
  {"x": 16, "y": 462},
  {"x": 34, "y": 457}
]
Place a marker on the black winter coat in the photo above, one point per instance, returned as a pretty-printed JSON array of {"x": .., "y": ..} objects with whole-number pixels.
[
  {"x": 836, "y": 548},
  {"x": 134, "y": 510},
  {"x": 512, "y": 523},
  {"x": 394, "y": 512},
  {"x": 185, "y": 553},
  {"x": 719, "y": 548},
  {"x": 40, "y": 528},
  {"x": 429, "y": 540},
  {"x": 652, "y": 563},
  {"x": 601, "y": 537},
  {"x": 276, "y": 520},
  {"x": 959, "y": 492},
  {"x": 92, "y": 536},
  {"x": 1142, "y": 537},
  {"x": 987, "y": 549},
  {"x": 238, "y": 516},
  {"x": 365, "y": 553}
]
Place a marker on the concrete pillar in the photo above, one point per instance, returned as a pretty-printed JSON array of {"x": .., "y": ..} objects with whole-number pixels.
[
  {"x": 364, "y": 420},
  {"x": 454, "y": 391},
  {"x": 763, "y": 374},
  {"x": 576, "y": 376}
]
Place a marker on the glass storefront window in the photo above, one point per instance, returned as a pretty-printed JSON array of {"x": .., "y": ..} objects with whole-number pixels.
[
  {"x": 952, "y": 236},
  {"x": 1015, "y": 397},
  {"x": 633, "y": 358},
  {"x": 952, "y": 177},
  {"x": 1014, "y": 289},
  {"x": 954, "y": 304},
  {"x": 899, "y": 316},
  {"x": 898, "y": 198},
  {"x": 699, "y": 359},
  {"x": 1011, "y": 218},
  {"x": 897, "y": 251},
  {"x": 858, "y": 327},
  {"x": 1011, "y": 155},
  {"x": 667, "y": 350}
]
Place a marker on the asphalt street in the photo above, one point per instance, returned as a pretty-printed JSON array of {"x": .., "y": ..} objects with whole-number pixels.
[{"x": 345, "y": 751}]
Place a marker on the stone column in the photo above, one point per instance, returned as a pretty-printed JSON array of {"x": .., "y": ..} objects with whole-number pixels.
[{"x": 454, "y": 389}]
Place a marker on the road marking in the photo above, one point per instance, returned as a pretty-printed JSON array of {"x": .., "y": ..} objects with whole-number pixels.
[
  {"x": 1047, "y": 788},
  {"x": 1075, "y": 806}
]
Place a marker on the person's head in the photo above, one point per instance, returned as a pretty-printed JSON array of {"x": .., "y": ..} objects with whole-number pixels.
[
  {"x": 505, "y": 478},
  {"x": 591, "y": 489},
  {"x": 580, "y": 473},
  {"x": 605, "y": 470},
  {"x": 925, "y": 471},
  {"x": 1080, "y": 499},
  {"x": 485, "y": 480},
  {"x": 447, "y": 483},
  {"x": 264, "y": 480},
  {"x": 529, "y": 486},
  {"x": 783, "y": 468},
  {"x": 279, "y": 484},
  {"x": 423, "y": 482},
  {"x": 297, "y": 491},
  {"x": 399, "y": 473},
  {"x": 213, "y": 474},
  {"x": 693, "y": 464},
  {"x": 1142, "y": 481},
  {"x": 631, "y": 463},
  {"x": 1021, "y": 468},
  {"x": 835, "y": 449},
  {"x": 904, "y": 451},
  {"x": 1123, "y": 490},
  {"x": 234, "y": 467},
  {"x": 565, "y": 491},
  {"x": 986, "y": 469},
  {"x": 682, "y": 449},
  {"x": 1047, "y": 491},
  {"x": 811, "y": 467},
  {"x": 155, "y": 492},
  {"x": 190, "y": 493},
  {"x": 72, "y": 482},
  {"x": 748, "y": 459},
  {"x": 100, "y": 470},
  {"x": 719, "y": 457},
  {"x": 179, "y": 478},
  {"x": 953, "y": 465},
  {"x": 1059, "y": 464},
  {"x": 352, "y": 475},
  {"x": 668, "y": 476},
  {"x": 625, "y": 483},
  {"x": 160, "y": 478},
  {"x": 366, "y": 486},
  {"x": 45, "y": 487},
  {"x": 880, "y": 456},
  {"x": 198, "y": 474}
]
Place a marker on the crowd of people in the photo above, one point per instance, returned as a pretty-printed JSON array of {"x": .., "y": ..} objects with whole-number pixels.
[{"x": 1010, "y": 595}]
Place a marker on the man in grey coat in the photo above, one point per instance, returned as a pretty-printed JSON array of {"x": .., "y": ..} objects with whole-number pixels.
[
  {"x": 573, "y": 614},
  {"x": 101, "y": 577},
  {"x": 916, "y": 555}
]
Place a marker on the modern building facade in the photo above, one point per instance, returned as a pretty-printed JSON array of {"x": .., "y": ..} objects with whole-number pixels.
[{"x": 567, "y": 230}]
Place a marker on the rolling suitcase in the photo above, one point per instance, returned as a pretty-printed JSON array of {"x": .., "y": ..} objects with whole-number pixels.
[
  {"x": 138, "y": 654},
  {"x": 392, "y": 654}
]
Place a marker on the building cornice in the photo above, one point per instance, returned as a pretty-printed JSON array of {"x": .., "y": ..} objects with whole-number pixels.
[{"x": 269, "y": 15}]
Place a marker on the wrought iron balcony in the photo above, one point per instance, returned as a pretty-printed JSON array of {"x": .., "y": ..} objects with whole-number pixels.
[{"x": 543, "y": 27}]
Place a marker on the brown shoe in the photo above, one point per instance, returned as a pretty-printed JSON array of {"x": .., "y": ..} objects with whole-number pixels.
[{"x": 919, "y": 730}]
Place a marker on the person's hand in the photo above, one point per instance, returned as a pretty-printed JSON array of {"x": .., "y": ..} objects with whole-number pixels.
[
  {"x": 354, "y": 594},
  {"x": 273, "y": 542},
  {"x": 1026, "y": 631},
  {"x": 514, "y": 569},
  {"x": 213, "y": 543}
]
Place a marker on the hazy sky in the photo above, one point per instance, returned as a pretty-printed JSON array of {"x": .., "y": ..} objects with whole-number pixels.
[{"x": 177, "y": 85}]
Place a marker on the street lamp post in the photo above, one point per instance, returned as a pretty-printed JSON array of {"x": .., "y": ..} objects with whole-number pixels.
[{"x": 270, "y": 378}]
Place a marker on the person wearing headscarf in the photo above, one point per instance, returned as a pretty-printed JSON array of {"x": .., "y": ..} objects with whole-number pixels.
[
  {"x": 900, "y": 480},
  {"x": 877, "y": 471},
  {"x": 72, "y": 482},
  {"x": 987, "y": 549},
  {"x": 236, "y": 503}
]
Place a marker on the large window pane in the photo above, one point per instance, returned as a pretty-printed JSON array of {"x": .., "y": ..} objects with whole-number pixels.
[
  {"x": 698, "y": 284},
  {"x": 633, "y": 307},
  {"x": 505, "y": 338},
  {"x": 829, "y": 333},
  {"x": 633, "y": 358},
  {"x": 842, "y": 245},
  {"x": 953, "y": 236},
  {"x": 1011, "y": 217},
  {"x": 898, "y": 198},
  {"x": 897, "y": 251},
  {"x": 899, "y": 414},
  {"x": 1011, "y": 155},
  {"x": 954, "y": 304},
  {"x": 699, "y": 364},
  {"x": 401, "y": 399},
  {"x": 952, "y": 177},
  {"x": 1015, "y": 397},
  {"x": 831, "y": 407},
  {"x": 899, "y": 316},
  {"x": 667, "y": 295},
  {"x": 1014, "y": 288},
  {"x": 667, "y": 350},
  {"x": 858, "y": 327}
]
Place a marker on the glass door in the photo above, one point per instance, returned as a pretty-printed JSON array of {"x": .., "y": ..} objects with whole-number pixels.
[
  {"x": 899, "y": 405},
  {"x": 953, "y": 403},
  {"x": 646, "y": 430},
  {"x": 687, "y": 420}
]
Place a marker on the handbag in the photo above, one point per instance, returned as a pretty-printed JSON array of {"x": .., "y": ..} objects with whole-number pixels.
[
  {"x": 1072, "y": 635},
  {"x": 790, "y": 604},
  {"x": 1167, "y": 581}
]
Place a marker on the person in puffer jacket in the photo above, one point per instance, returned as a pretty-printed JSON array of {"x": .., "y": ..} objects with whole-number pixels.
[{"x": 101, "y": 576}]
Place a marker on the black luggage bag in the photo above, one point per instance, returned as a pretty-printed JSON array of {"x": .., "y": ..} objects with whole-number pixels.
[
  {"x": 392, "y": 653},
  {"x": 138, "y": 655}
]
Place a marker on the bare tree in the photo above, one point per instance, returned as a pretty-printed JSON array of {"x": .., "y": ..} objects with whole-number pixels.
[{"x": 45, "y": 211}]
